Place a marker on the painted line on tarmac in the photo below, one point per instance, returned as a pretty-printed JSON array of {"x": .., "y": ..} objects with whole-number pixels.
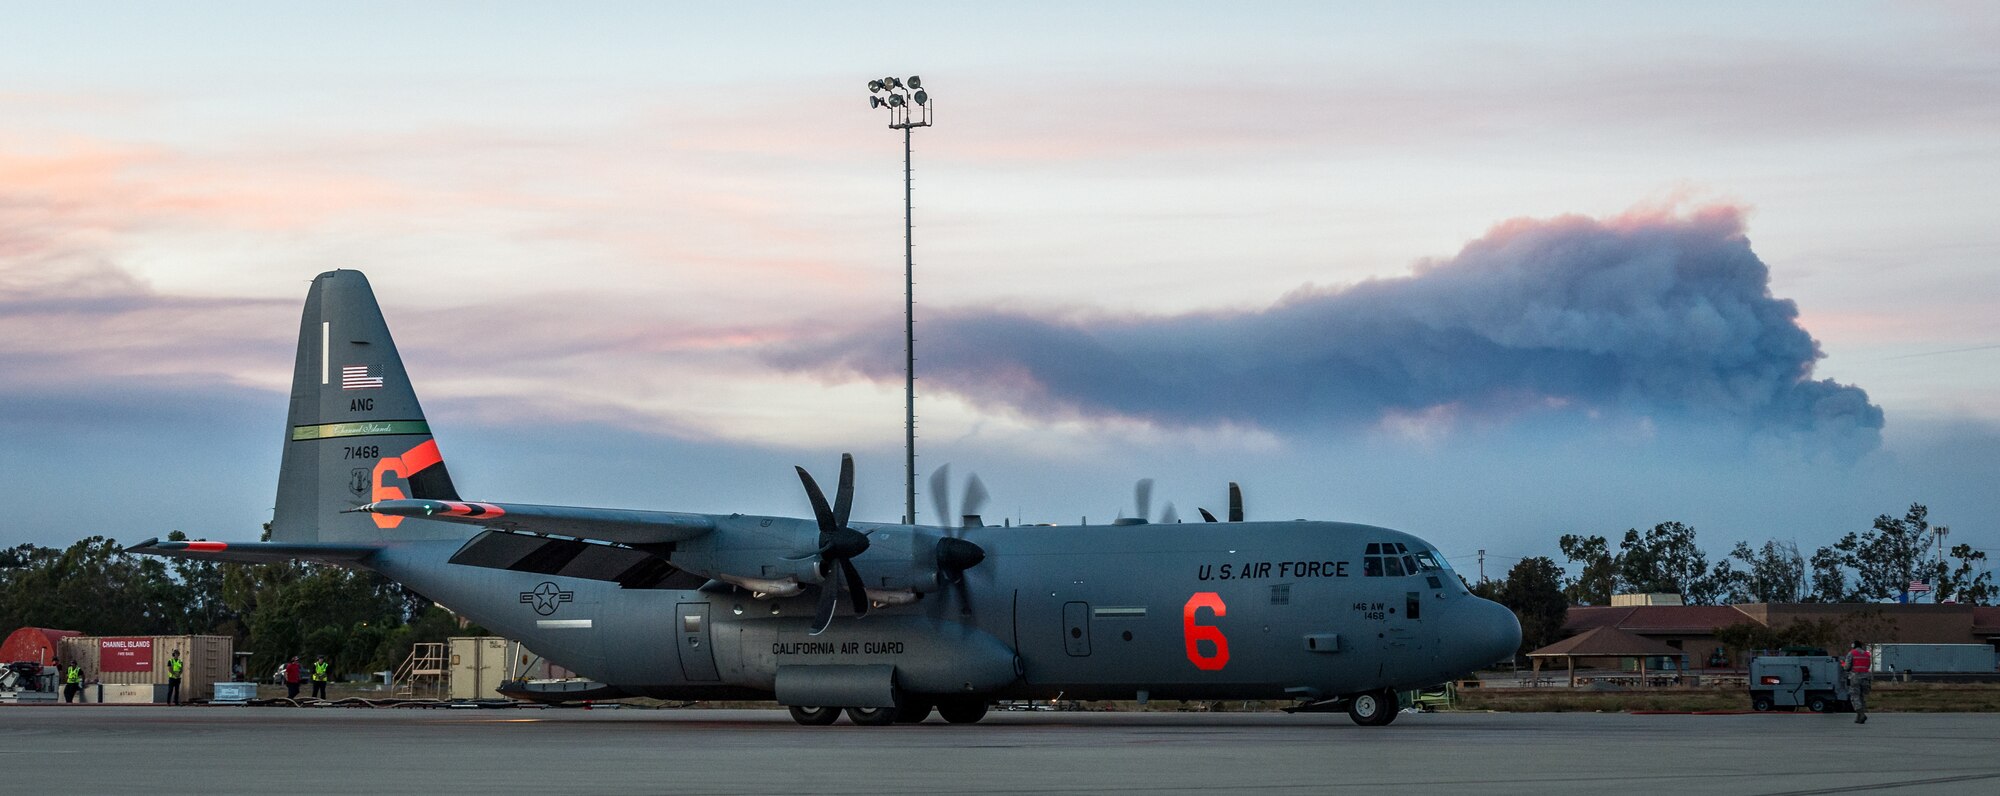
[{"x": 1886, "y": 785}]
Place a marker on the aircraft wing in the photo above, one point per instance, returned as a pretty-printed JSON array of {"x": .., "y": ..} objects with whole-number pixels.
[
  {"x": 620, "y": 526},
  {"x": 256, "y": 552}
]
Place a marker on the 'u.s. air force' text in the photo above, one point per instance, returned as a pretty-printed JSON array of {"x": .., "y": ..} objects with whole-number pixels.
[{"x": 1252, "y": 570}]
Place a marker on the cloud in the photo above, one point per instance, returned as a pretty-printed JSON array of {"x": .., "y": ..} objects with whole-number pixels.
[{"x": 1642, "y": 320}]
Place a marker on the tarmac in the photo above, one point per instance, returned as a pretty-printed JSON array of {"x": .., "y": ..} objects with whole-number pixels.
[{"x": 262, "y": 750}]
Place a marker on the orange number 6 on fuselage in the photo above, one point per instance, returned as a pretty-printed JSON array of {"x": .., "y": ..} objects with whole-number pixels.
[{"x": 1193, "y": 633}]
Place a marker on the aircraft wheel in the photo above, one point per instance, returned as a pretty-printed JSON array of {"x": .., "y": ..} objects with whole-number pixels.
[
  {"x": 814, "y": 717},
  {"x": 1372, "y": 708},
  {"x": 963, "y": 711},
  {"x": 1761, "y": 704},
  {"x": 872, "y": 717},
  {"x": 913, "y": 712}
]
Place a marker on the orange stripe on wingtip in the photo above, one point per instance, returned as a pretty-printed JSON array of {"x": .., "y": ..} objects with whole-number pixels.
[{"x": 208, "y": 547}]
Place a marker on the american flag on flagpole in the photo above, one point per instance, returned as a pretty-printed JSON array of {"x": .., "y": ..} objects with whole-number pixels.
[{"x": 1919, "y": 587}]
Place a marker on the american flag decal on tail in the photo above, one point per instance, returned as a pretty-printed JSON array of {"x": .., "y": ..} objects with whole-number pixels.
[{"x": 355, "y": 377}]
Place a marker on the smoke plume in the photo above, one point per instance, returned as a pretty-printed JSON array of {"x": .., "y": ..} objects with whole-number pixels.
[{"x": 1648, "y": 317}]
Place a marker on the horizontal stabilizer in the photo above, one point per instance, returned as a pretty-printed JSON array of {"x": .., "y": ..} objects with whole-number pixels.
[
  {"x": 570, "y": 558},
  {"x": 257, "y": 552},
  {"x": 622, "y": 526}
]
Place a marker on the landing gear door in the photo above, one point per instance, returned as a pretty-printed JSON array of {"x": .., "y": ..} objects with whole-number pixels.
[
  {"x": 1076, "y": 629},
  {"x": 697, "y": 654}
]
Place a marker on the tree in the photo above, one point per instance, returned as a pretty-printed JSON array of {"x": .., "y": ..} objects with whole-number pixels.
[
  {"x": 1533, "y": 590},
  {"x": 1829, "y": 577},
  {"x": 1776, "y": 572},
  {"x": 1596, "y": 573},
  {"x": 1887, "y": 557},
  {"x": 93, "y": 586},
  {"x": 1666, "y": 559},
  {"x": 1970, "y": 582}
]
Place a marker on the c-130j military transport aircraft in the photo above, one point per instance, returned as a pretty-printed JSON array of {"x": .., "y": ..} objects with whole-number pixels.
[{"x": 705, "y": 606}]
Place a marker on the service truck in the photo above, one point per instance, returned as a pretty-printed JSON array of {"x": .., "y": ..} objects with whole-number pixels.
[{"x": 1788, "y": 682}]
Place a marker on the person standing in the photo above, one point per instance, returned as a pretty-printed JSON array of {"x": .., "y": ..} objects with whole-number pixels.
[
  {"x": 1858, "y": 664},
  {"x": 174, "y": 669},
  {"x": 72, "y": 681},
  {"x": 292, "y": 678},
  {"x": 319, "y": 677}
]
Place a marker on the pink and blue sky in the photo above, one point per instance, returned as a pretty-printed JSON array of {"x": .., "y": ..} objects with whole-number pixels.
[{"x": 1486, "y": 273}]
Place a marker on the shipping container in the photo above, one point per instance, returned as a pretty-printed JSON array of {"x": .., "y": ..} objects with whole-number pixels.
[
  {"x": 478, "y": 664},
  {"x": 143, "y": 660},
  {"x": 1936, "y": 658}
]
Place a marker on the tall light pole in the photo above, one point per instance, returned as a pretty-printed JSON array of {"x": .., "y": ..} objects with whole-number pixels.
[{"x": 899, "y": 97}]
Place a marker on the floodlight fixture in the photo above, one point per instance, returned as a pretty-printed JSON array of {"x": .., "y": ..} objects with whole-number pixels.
[
  {"x": 874, "y": 102},
  {"x": 916, "y": 82},
  {"x": 876, "y": 85},
  {"x": 893, "y": 82},
  {"x": 895, "y": 100},
  {"x": 922, "y": 97}
]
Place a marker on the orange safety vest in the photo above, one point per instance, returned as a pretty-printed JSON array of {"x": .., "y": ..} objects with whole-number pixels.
[{"x": 1858, "y": 660}]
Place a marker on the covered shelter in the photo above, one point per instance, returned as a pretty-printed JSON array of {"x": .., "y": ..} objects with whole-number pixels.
[{"x": 1604, "y": 642}]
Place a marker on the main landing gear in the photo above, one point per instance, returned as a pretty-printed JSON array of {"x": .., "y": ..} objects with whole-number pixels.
[
  {"x": 1372, "y": 708},
  {"x": 956, "y": 711}
]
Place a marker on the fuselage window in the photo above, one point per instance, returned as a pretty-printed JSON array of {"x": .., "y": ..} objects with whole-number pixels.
[
  {"x": 1413, "y": 605},
  {"x": 1395, "y": 566},
  {"x": 1371, "y": 567}
]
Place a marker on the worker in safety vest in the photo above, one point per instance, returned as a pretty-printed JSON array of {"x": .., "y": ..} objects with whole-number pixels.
[
  {"x": 1858, "y": 663},
  {"x": 174, "y": 669},
  {"x": 292, "y": 678},
  {"x": 72, "y": 681},
  {"x": 319, "y": 677}
]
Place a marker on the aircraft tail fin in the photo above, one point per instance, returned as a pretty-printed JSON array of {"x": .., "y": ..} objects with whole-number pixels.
[{"x": 356, "y": 433}]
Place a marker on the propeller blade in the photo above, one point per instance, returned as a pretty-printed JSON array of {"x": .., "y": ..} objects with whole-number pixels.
[
  {"x": 1205, "y": 516},
  {"x": 940, "y": 495},
  {"x": 975, "y": 496},
  {"x": 964, "y": 597},
  {"x": 829, "y": 596},
  {"x": 1169, "y": 517},
  {"x": 1235, "y": 502},
  {"x": 857, "y": 591},
  {"x": 843, "y": 495},
  {"x": 820, "y": 510},
  {"x": 1142, "y": 498}
]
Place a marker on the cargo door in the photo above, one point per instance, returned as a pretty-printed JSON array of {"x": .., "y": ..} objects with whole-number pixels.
[
  {"x": 697, "y": 654},
  {"x": 1076, "y": 629}
]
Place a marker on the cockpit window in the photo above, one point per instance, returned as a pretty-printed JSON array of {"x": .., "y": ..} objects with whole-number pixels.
[
  {"x": 1427, "y": 561},
  {"x": 1371, "y": 567},
  {"x": 1395, "y": 566},
  {"x": 1374, "y": 548}
]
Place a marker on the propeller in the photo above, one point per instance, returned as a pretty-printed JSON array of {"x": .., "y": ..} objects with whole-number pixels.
[
  {"x": 838, "y": 545},
  {"x": 955, "y": 555},
  {"x": 1235, "y": 505},
  {"x": 1142, "y": 498}
]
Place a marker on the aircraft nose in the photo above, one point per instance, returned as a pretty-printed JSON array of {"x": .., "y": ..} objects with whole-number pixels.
[{"x": 1490, "y": 633}]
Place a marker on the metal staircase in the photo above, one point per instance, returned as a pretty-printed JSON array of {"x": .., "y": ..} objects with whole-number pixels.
[{"x": 423, "y": 674}]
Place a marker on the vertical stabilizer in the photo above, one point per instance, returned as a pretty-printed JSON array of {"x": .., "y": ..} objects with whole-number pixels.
[{"x": 355, "y": 433}]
